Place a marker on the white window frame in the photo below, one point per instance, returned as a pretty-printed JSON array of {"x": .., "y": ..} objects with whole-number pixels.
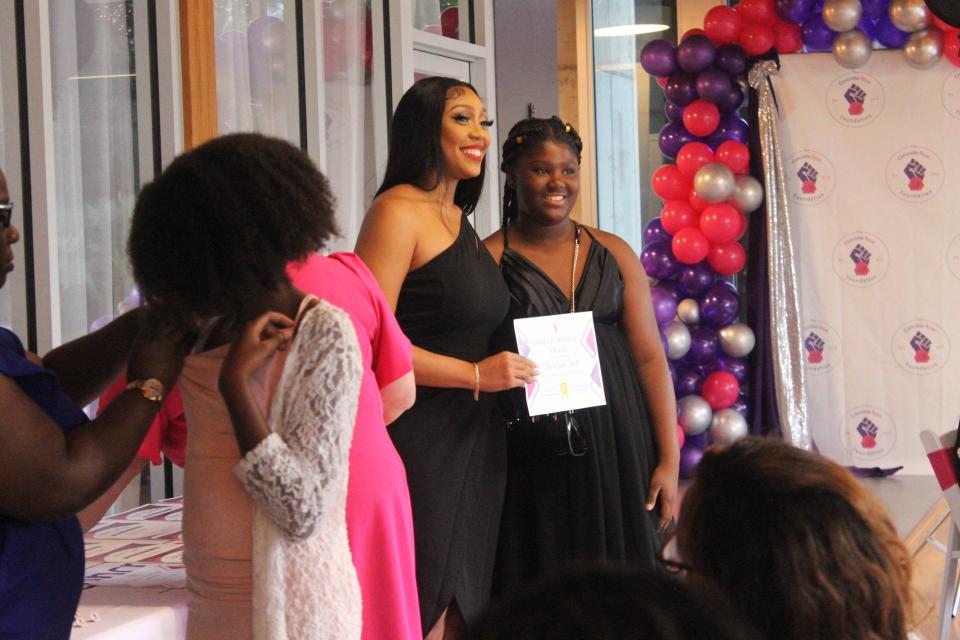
[{"x": 405, "y": 41}]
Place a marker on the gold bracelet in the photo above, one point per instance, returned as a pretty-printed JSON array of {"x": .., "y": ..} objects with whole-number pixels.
[{"x": 476, "y": 382}]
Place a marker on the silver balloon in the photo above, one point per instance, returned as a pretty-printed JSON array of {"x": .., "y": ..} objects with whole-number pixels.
[
  {"x": 909, "y": 15},
  {"x": 694, "y": 414},
  {"x": 714, "y": 182},
  {"x": 727, "y": 426},
  {"x": 852, "y": 49},
  {"x": 748, "y": 196},
  {"x": 678, "y": 339},
  {"x": 924, "y": 48},
  {"x": 842, "y": 15},
  {"x": 688, "y": 311},
  {"x": 736, "y": 340}
]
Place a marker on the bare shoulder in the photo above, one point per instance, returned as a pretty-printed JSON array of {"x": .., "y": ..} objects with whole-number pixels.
[
  {"x": 494, "y": 244},
  {"x": 398, "y": 206},
  {"x": 616, "y": 245}
]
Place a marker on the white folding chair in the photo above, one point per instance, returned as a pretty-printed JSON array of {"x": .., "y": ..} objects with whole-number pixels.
[{"x": 941, "y": 454}]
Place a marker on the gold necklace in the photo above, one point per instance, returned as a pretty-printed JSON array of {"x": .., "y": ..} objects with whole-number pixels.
[{"x": 573, "y": 273}]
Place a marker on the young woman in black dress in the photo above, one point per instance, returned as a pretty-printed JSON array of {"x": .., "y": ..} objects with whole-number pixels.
[
  {"x": 449, "y": 298},
  {"x": 598, "y": 498}
]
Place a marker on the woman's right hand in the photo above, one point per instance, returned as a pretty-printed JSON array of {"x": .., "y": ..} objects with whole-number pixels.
[
  {"x": 158, "y": 351},
  {"x": 506, "y": 370}
]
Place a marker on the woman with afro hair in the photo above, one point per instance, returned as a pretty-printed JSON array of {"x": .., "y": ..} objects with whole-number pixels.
[{"x": 283, "y": 397}]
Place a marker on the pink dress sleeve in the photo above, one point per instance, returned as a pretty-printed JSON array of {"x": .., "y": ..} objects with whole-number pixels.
[{"x": 392, "y": 351}]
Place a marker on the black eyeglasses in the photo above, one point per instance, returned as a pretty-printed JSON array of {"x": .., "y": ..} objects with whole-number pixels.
[{"x": 6, "y": 213}]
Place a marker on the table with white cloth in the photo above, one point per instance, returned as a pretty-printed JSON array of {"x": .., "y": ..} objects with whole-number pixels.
[{"x": 134, "y": 585}]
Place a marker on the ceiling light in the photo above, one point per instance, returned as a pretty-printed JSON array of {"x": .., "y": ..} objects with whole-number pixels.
[{"x": 629, "y": 30}]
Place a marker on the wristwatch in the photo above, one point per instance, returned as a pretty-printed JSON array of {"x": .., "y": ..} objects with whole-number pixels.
[{"x": 151, "y": 389}]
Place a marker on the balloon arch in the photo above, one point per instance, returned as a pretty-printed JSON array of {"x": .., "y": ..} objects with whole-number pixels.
[{"x": 693, "y": 247}]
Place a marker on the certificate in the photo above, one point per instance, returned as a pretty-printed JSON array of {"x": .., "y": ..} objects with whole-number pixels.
[{"x": 564, "y": 348}]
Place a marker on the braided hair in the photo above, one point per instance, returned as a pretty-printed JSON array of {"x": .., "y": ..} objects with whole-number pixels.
[{"x": 525, "y": 136}]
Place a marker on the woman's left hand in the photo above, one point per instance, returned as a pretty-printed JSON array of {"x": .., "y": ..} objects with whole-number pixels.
[
  {"x": 663, "y": 484},
  {"x": 261, "y": 338}
]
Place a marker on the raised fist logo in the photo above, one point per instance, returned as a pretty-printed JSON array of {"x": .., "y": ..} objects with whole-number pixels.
[
  {"x": 814, "y": 345},
  {"x": 921, "y": 347},
  {"x": 855, "y": 97},
  {"x": 915, "y": 172},
  {"x": 868, "y": 433},
  {"x": 808, "y": 178},
  {"x": 861, "y": 260}
]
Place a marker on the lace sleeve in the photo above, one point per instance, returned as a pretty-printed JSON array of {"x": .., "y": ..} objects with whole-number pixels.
[{"x": 294, "y": 473}]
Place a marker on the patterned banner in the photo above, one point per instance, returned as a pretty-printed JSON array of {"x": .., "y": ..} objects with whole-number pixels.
[{"x": 867, "y": 154}]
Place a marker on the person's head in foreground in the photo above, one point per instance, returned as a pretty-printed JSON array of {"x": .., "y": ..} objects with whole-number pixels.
[
  {"x": 212, "y": 236},
  {"x": 796, "y": 544},
  {"x": 608, "y": 604}
]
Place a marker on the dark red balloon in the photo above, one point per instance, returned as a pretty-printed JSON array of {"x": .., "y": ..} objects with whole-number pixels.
[
  {"x": 690, "y": 246},
  {"x": 692, "y": 156},
  {"x": 726, "y": 259},
  {"x": 787, "y": 37},
  {"x": 670, "y": 184},
  {"x": 722, "y": 25},
  {"x": 951, "y": 47},
  {"x": 720, "y": 389},
  {"x": 756, "y": 38},
  {"x": 762, "y": 11}
]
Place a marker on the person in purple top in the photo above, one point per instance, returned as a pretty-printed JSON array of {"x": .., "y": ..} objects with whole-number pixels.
[{"x": 54, "y": 461}]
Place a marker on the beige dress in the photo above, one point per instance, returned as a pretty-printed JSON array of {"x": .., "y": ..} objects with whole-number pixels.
[{"x": 305, "y": 583}]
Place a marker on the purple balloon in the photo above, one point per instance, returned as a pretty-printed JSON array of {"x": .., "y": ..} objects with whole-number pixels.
[
  {"x": 731, "y": 127},
  {"x": 673, "y": 111},
  {"x": 740, "y": 406},
  {"x": 689, "y": 459},
  {"x": 689, "y": 381},
  {"x": 695, "y": 279},
  {"x": 681, "y": 88},
  {"x": 703, "y": 345},
  {"x": 732, "y": 59},
  {"x": 868, "y": 26},
  {"x": 719, "y": 307},
  {"x": 695, "y": 54},
  {"x": 888, "y": 35},
  {"x": 698, "y": 441},
  {"x": 659, "y": 58},
  {"x": 658, "y": 260},
  {"x": 666, "y": 348},
  {"x": 732, "y": 101},
  {"x": 654, "y": 232},
  {"x": 736, "y": 366},
  {"x": 664, "y": 304},
  {"x": 874, "y": 8},
  {"x": 817, "y": 6},
  {"x": 673, "y": 136},
  {"x": 794, "y": 10},
  {"x": 817, "y": 36},
  {"x": 713, "y": 85}
]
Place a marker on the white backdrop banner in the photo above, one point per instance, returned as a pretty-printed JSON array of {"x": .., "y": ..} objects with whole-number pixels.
[{"x": 872, "y": 164}]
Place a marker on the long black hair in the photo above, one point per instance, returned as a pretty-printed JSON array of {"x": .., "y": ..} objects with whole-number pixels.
[
  {"x": 416, "y": 155},
  {"x": 526, "y": 136}
]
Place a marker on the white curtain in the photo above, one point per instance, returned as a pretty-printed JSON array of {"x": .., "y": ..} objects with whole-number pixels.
[
  {"x": 95, "y": 155},
  {"x": 257, "y": 90}
]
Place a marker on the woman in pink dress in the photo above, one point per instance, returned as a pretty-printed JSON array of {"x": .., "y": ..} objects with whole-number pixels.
[{"x": 281, "y": 541}]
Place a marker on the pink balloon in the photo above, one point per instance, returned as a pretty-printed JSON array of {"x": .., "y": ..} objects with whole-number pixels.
[
  {"x": 720, "y": 223},
  {"x": 681, "y": 436},
  {"x": 692, "y": 156},
  {"x": 720, "y": 389},
  {"x": 670, "y": 184},
  {"x": 678, "y": 214},
  {"x": 690, "y": 246},
  {"x": 727, "y": 259},
  {"x": 701, "y": 117},
  {"x": 735, "y": 155}
]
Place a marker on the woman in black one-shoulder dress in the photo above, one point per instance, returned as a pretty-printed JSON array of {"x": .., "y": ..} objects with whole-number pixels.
[{"x": 449, "y": 298}]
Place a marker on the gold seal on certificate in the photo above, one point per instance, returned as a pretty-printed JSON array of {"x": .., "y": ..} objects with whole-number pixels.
[{"x": 564, "y": 346}]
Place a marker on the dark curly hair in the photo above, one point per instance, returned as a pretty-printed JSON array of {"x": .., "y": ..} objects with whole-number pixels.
[
  {"x": 796, "y": 543},
  {"x": 416, "y": 155},
  {"x": 222, "y": 222},
  {"x": 525, "y": 136}
]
